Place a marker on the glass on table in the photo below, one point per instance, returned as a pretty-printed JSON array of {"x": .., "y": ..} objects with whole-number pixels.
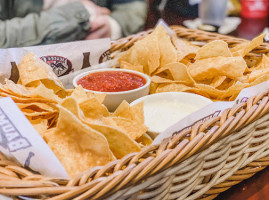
[{"x": 212, "y": 13}]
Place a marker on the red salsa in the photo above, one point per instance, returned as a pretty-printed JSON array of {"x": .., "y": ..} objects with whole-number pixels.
[{"x": 111, "y": 81}]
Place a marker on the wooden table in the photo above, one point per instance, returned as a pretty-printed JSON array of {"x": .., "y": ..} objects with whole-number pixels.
[{"x": 257, "y": 187}]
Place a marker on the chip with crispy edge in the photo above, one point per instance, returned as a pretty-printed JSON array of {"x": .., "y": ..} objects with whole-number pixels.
[
  {"x": 72, "y": 105},
  {"x": 257, "y": 73},
  {"x": 231, "y": 67},
  {"x": 119, "y": 142},
  {"x": 153, "y": 87},
  {"x": 132, "y": 128},
  {"x": 123, "y": 110},
  {"x": 168, "y": 52},
  {"x": 133, "y": 116},
  {"x": 144, "y": 53},
  {"x": 244, "y": 48},
  {"x": 37, "y": 107},
  {"x": 217, "y": 81},
  {"x": 42, "y": 91},
  {"x": 40, "y": 125},
  {"x": 126, "y": 65},
  {"x": 184, "y": 48},
  {"x": 158, "y": 80},
  {"x": 178, "y": 87},
  {"x": 93, "y": 109},
  {"x": 179, "y": 72},
  {"x": 264, "y": 63},
  {"x": 221, "y": 94},
  {"x": 76, "y": 145},
  {"x": 145, "y": 139},
  {"x": 172, "y": 87},
  {"x": 134, "y": 112},
  {"x": 260, "y": 79},
  {"x": 32, "y": 68},
  {"x": 79, "y": 94},
  {"x": 213, "y": 49},
  {"x": 138, "y": 110},
  {"x": 16, "y": 89}
]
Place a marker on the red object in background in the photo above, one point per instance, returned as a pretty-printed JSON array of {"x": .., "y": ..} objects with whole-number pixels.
[
  {"x": 251, "y": 27},
  {"x": 254, "y": 8}
]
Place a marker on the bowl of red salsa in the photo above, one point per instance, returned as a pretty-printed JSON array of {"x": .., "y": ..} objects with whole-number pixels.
[{"x": 118, "y": 84}]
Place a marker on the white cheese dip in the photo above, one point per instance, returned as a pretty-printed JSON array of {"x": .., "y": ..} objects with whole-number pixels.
[
  {"x": 165, "y": 109},
  {"x": 160, "y": 114}
]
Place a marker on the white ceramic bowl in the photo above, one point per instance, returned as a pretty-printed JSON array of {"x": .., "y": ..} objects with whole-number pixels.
[
  {"x": 162, "y": 110},
  {"x": 113, "y": 99}
]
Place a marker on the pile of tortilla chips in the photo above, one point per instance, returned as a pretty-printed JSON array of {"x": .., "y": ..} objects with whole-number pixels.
[
  {"x": 214, "y": 70},
  {"x": 76, "y": 125}
]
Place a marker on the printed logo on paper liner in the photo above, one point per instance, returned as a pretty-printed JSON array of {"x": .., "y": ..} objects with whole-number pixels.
[
  {"x": 60, "y": 65},
  {"x": 10, "y": 137},
  {"x": 105, "y": 56},
  {"x": 215, "y": 114}
]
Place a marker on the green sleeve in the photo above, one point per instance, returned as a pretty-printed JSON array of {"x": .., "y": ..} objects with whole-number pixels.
[
  {"x": 131, "y": 16},
  {"x": 60, "y": 24}
]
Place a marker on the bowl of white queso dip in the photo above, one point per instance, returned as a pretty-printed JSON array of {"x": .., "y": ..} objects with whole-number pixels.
[{"x": 162, "y": 110}]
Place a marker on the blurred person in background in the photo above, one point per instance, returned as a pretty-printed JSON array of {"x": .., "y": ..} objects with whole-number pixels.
[
  {"x": 189, "y": 8},
  {"x": 34, "y": 22}
]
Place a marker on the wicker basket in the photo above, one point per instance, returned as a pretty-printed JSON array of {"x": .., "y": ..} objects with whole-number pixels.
[{"x": 194, "y": 164}]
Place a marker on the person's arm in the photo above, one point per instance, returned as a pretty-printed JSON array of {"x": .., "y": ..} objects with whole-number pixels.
[
  {"x": 131, "y": 15},
  {"x": 62, "y": 24}
]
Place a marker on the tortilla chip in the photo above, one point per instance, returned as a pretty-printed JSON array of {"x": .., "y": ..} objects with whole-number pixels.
[
  {"x": 71, "y": 104},
  {"x": 40, "y": 125},
  {"x": 221, "y": 94},
  {"x": 153, "y": 87},
  {"x": 17, "y": 99},
  {"x": 32, "y": 68},
  {"x": 123, "y": 110},
  {"x": 37, "y": 107},
  {"x": 17, "y": 89},
  {"x": 179, "y": 73},
  {"x": 126, "y": 65},
  {"x": 138, "y": 110},
  {"x": 119, "y": 142},
  {"x": 257, "y": 73},
  {"x": 173, "y": 87},
  {"x": 144, "y": 53},
  {"x": 131, "y": 127},
  {"x": 145, "y": 139},
  {"x": 99, "y": 96},
  {"x": 260, "y": 79},
  {"x": 226, "y": 84},
  {"x": 168, "y": 52},
  {"x": 217, "y": 81},
  {"x": 158, "y": 79},
  {"x": 231, "y": 67},
  {"x": 213, "y": 49},
  {"x": 93, "y": 109},
  {"x": 42, "y": 91},
  {"x": 263, "y": 64},
  {"x": 244, "y": 48},
  {"x": 79, "y": 94},
  {"x": 77, "y": 146},
  {"x": 184, "y": 48}
]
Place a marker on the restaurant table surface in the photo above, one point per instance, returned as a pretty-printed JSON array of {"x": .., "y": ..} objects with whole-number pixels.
[{"x": 256, "y": 187}]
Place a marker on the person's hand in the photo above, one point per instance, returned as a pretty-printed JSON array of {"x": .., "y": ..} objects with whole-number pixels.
[
  {"x": 100, "y": 27},
  {"x": 98, "y": 10}
]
